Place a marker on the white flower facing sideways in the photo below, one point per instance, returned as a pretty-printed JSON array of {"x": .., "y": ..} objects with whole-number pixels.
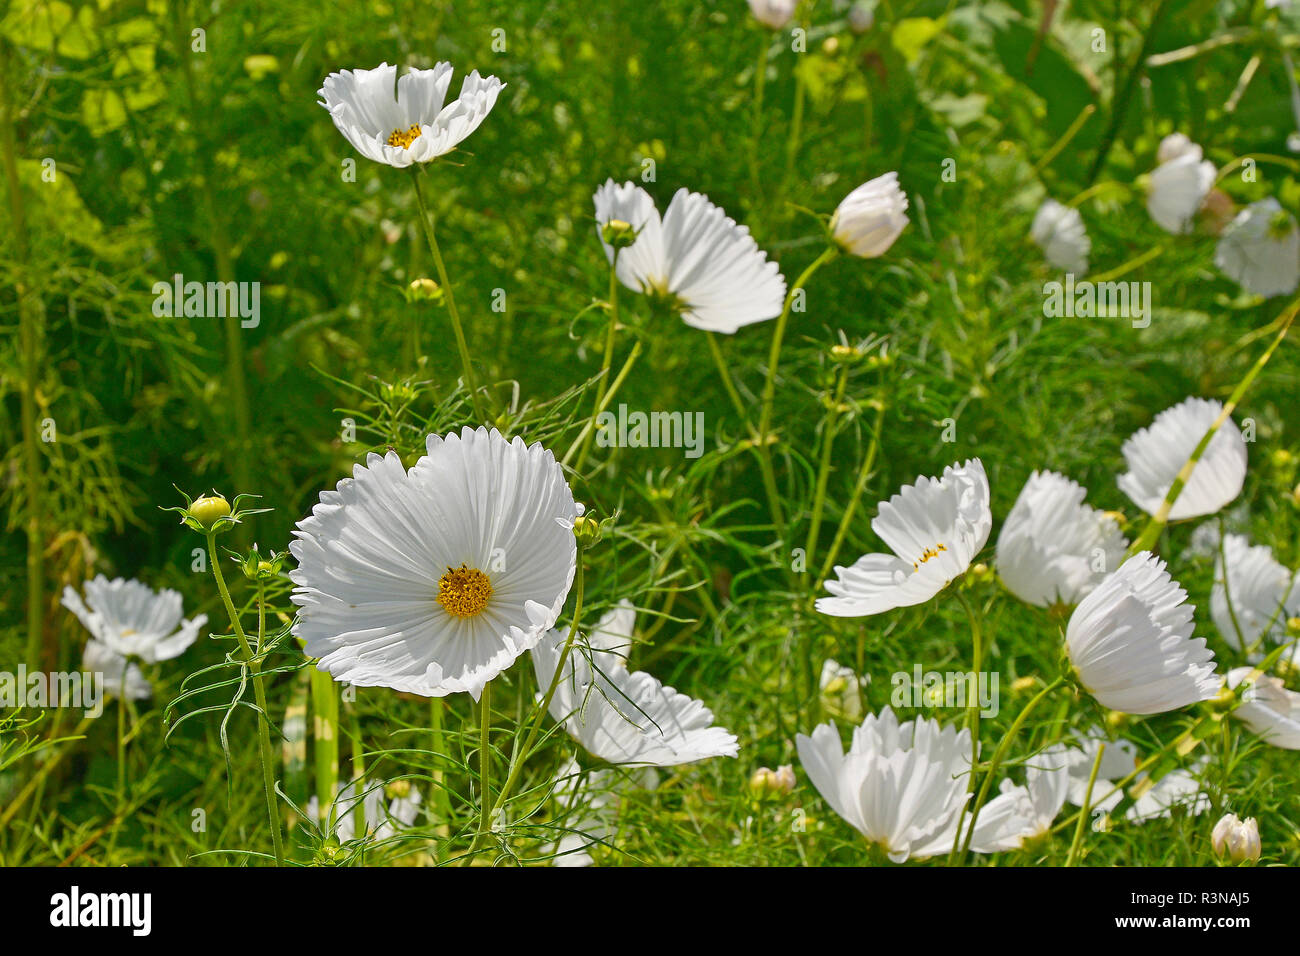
[
  {"x": 934, "y": 527},
  {"x": 117, "y": 671},
  {"x": 401, "y": 121},
  {"x": 870, "y": 218},
  {"x": 709, "y": 268},
  {"x": 434, "y": 581},
  {"x": 1268, "y": 708},
  {"x": 1251, "y": 604},
  {"x": 1059, "y": 231},
  {"x": 1130, "y": 642},
  {"x": 1157, "y": 453},
  {"x": 622, "y": 716},
  {"x": 773, "y": 14},
  {"x": 1179, "y": 185},
  {"x": 1260, "y": 249},
  {"x": 899, "y": 785},
  {"x": 133, "y": 620},
  {"x": 1053, "y": 548}
]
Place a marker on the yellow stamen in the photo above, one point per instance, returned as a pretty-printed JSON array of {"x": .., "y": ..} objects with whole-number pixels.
[
  {"x": 927, "y": 554},
  {"x": 464, "y": 591},
  {"x": 404, "y": 137}
]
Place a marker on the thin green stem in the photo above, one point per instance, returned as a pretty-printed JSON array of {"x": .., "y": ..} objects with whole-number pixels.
[
  {"x": 864, "y": 473},
  {"x": 824, "y": 466},
  {"x": 725, "y": 374},
  {"x": 485, "y": 761},
  {"x": 467, "y": 367},
  {"x": 603, "y": 385},
  {"x": 756, "y": 134},
  {"x": 259, "y": 693},
  {"x": 609, "y": 397},
  {"x": 1076, "y": 845}
]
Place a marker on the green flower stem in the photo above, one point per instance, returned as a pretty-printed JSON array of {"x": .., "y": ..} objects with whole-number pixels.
[
  {"x": 609, "y": 397},
  {"x": 259, "y": 692},
  {"x": 756, "y": 134},
  {"x": 1003, "y": 746},
  {"x": 325, "y": 741},
  {"x": 121, "y": 735},
  {"x": 1151, "y": 533},
  {"x": 523, "y": 751},
  {"x": 441, "y": 801},
  {"x": 725, "y": 373},
  {"x": 603, "y": 386},
  {"x": 484, "y": 762},
  {"x": 426, "y": 220},
  {"x": 864, "y": 473},
  {"x": 829, "y": 429},
  {"x": 769, "y": 391},
  {"x": 1076, "y": 845}
]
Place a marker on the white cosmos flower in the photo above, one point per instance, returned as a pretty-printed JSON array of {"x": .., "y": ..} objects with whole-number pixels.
[
  {"x": 99, "y": 658},
  {"x": 773, "y": 14},
  {"x": 1059, "y": 232},
  {"x": 841, "y": 691},
  {"x": 133, "y": 619},
  {"x": 1260, "y": 249},
  {"x": 710, "y": 268},
  {"x": 1178, "y": 187},
  {"x": 934, "y": 527},
  {"x": 626, "y": 717},
  {"x": 1157, "y": 453},
  {"x": 400, "y": 121},
  {"x": 1118, "y": 760},
  {"x": 436, "y": 580},
  {"x": 899, "y": 785},
  {"x": 1177, "y": 788},
  {"x": 1053, "y": 548},
  {"x": 1259, "y": 597},
  {"x": 1131, "y": 642},
  {"x": 870, "y": 218},
  {"x": 1268, "y": 708},
  {"x": 611, "y": 639}
]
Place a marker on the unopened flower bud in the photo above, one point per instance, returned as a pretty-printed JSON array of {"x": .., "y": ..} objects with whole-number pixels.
[
  {"x": 618, "y": 233},
  {"x": 208, "y": 509},
  {"x": 1236, "y": 840},
  {"x": 773, "y": 14},
  {"x": 398, "y": 789},
  {"x": 423, "y": 290},
  {"x": 870, "y": 218},
  {"x": 587, "y": 530}
]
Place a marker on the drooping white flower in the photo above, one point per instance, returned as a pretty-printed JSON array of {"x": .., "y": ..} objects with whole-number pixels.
[
  {"x": 1119, "y": 759},
  {"x": 773, "y": 14},
  {"x": 1157, "y": 453},
  {"x": 1131, "y": 643},
  {"x": 116, "y": 671},
  {"x": 1236, "y": 839},
  {"x": 626, "y": 717},
  {"x": 1268, "y": 708},
  {"x": 1054, "y": 548},
  {"x": 1059, "y": 231},
  {"x": 1260, "y": 249},
  {"x": 435, "y": 581},
  {"x": 706, "y": 265},
  {"x": 870, "y": 218},
  {"x": 841, "y": 691},
  {"x": 1047, "y": 787},
  {"x": 899, "y": 785},
  {"x": 934, "y": 528},
  {"x": 387, "y": 809},
  {"x": 588, "y": 804},
  {"x": 400, "y": 121},
  {"x": 1176, "y": 789},
  {"x": 1252, "y": 603},
  {"x": 1178, "y": 186},
  {"x": 134, "y": 620}
]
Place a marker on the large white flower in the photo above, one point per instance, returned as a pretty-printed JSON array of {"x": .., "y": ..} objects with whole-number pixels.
[
  {"x": 1053, "y": 548},
  {"x": 1259, "y": 596},
  {"x": 436, "y": 580},
  {"x": 934, "y": 527},
  {"x": 899, "y": 785},
  {"x": 1157, "y": 453},
  {"x": 773, "y": 14},
  {"x": 1059, "y": 232},
  {"x": 710, "y": 268},
  {"x": 117, "y": 671},
  {"x": 1268, "y": 708},
  {"x": 133, "y": 619},
  {"x": 1260, "y": 249},
  {"x": 1178, "y": 186},
  {"x": 1131, "y": 642},
  {"x": 626, "y": 717},
  {"x": 400, "y": 121},
  {"x": 870, "y": 218}
]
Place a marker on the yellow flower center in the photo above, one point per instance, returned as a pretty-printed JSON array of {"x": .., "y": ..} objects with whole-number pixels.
[
  {"x": 464, "y": 591},
  {"x": 927, "y": 554},
  {"x": 404, "y": 137}
]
